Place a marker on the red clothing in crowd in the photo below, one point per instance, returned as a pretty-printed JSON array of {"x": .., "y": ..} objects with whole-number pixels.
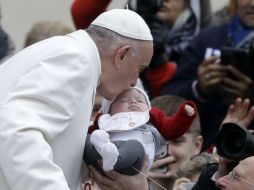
[{"x": 85, "y": 11}]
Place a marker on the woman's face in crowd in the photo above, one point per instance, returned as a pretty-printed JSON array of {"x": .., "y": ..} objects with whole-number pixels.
[
  {"x": 171, "y": 9},
  {"x": 182, "y": 149},
  {"x": 245, "y": 9}
]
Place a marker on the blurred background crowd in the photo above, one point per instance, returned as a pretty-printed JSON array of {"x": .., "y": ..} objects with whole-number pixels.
[{"x": 55, "y": 11}]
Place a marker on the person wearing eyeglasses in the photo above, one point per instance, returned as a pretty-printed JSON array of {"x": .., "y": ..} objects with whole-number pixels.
[
  {"x": 225, "y": 174},
  {"x": 241, "y": 177}
]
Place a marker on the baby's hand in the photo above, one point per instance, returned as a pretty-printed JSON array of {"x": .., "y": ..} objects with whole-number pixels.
[{"x": 190, "y": 111}]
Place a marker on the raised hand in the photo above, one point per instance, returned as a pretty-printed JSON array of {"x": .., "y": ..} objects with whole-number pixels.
[
  {"x": 241, "y": 113},
  {"x": 237, "y": 84},
  {"x": 210, "y": 76}
]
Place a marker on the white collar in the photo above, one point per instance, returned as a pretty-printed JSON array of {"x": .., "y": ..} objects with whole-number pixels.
[{"x": 124, "y": 121}]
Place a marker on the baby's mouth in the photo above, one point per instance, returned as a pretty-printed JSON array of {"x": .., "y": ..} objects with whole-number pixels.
[{"x": 134, "y": 107}]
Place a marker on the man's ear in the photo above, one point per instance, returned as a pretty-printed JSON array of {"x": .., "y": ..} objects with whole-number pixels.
[
  {"x": 121, "y": 55},
  {"x": 198, "y": 142}
]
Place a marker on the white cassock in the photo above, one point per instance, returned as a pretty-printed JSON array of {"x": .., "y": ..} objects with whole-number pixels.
[{"x": 47, "y": 93}]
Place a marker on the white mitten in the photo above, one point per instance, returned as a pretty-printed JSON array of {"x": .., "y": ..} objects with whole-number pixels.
[
  {"x": 107, "y": 150},
  {"x": 190, "y": 111}
]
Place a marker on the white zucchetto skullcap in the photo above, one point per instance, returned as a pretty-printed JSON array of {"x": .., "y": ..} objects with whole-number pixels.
[{"x": 124, "y": 22}]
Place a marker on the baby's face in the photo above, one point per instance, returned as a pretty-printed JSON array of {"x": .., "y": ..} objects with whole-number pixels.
[{"x": 130, "y": 100}]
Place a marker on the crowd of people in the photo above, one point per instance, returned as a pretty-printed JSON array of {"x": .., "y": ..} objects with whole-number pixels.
[{"x": 136, "y": 98}]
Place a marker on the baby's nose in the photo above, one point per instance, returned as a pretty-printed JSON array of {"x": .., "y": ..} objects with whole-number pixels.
[{"x": 132, "y": 100}]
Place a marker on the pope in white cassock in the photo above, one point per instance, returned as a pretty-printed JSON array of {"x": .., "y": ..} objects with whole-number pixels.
[{"x": 47, "y": 93}]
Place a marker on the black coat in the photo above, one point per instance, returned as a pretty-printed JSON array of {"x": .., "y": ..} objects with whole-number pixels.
[{"x": 204, "y": 182}]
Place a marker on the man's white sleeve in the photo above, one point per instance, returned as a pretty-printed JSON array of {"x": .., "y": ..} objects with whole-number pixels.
[{"x": 38, "y": 108}]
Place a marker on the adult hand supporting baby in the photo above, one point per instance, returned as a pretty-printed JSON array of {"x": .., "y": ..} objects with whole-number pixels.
[{"x": 116, "y": 181}]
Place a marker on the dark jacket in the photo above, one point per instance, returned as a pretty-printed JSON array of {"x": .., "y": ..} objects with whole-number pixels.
[
  {"x": 6, "y": 46},
  {"x": 212, "y": 111},
  {"x": 204, "y": 182}
]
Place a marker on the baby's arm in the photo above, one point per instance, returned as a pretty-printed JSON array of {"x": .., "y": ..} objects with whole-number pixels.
[{"x": 172, "y": 127}]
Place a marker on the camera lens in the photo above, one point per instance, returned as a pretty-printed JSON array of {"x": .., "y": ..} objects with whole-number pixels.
[{"x": 234, "y": 142}]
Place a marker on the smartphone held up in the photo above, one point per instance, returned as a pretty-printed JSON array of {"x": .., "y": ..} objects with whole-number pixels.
[{"x": 160, "y": 154}]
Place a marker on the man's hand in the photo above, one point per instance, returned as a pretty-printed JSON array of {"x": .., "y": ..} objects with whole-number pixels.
[
  {"x": 240, "y": 113},
  {"x": 117, "y": 181},
  {"x": 237, "y": 85},
  {"x": 224, "y": 167},
  {"x": 156, "y": 164},
  {"x": 210, "y": 76}
]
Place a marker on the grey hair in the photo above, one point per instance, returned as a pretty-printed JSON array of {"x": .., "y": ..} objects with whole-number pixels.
[{"x": 109, "y": 40}]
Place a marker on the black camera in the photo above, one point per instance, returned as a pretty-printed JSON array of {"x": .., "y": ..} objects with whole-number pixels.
[
  {"x": 234, "y": 142},
  {"x": 242, "y": 59}
]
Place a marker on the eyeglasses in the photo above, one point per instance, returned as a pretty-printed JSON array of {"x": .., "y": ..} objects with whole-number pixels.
[{"x": 234, "y": 177}]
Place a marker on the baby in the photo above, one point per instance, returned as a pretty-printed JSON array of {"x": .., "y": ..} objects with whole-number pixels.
[{"x": 129, "y": 129}]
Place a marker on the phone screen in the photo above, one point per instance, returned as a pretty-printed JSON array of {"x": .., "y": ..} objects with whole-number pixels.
[
  {"x": 235, "y": 57},
  {"x": 160, "y": 154}
]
